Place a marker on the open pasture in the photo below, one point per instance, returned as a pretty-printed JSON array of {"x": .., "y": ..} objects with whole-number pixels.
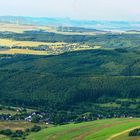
[{"x": 96, "y": 130}]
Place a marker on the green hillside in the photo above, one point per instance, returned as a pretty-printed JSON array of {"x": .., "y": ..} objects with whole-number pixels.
[
  {"x": 78, "y": 76},
  {"x": 73, "y": 86},
  {"x": 97, "y": 130}
]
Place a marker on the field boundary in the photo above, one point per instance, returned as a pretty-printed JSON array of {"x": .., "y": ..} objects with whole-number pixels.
[{"x": 118, "y": 134}]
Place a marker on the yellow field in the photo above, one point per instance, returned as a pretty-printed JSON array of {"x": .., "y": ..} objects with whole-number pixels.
[
  {"x": 26, "y": 47},
  {"x": 16, "y": 28},
  {"x": 12, "y": 43},
  {"x": 15, "y": 125},
  {"x": 34, "y": 52},
  {"x": 24, "y": 51},
  {"x": 21, "y": 28}
]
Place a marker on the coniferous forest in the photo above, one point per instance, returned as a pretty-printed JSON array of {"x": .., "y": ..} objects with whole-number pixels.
[{"x": 72, "y": 81}]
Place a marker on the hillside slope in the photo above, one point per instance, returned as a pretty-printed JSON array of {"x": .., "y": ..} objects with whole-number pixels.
[
  {"x": 104, "y": 25},
  {"x": 69, "y": 78},
  {"x": 96, "y": 130}
]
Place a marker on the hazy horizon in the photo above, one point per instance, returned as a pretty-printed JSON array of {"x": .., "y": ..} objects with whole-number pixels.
[{"x": 113, "y": 10}]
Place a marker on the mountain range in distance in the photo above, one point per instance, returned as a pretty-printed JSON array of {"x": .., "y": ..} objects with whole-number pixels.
[{"x": 93, "y": 24}]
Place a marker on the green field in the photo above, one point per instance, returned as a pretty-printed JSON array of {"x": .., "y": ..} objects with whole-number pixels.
[{"x": 96, "y": 130}]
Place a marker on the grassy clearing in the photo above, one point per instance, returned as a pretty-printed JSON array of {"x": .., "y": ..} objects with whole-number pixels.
[
  {"x": 2, "y": 137},
  {"x": 21, "y": 28},
  {"x": 15, "y": 125},
  {"x": 97, "y": 130},
  {"x": 106, "y": 133},
  {"x": 6, "y": 111},
  {"x": 110, "y": 105},
  {"x": 14, "y": 112},
  {"x": 16, "y": 28}
]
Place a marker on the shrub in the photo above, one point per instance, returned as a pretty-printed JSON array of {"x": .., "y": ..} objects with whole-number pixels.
[
  {"x": 35, "y": 128},
  {"x": 135, "y": 132},
  {"x": 35, "y": 119},
  {"x": 17, "y": 133},
  {"x": 6, "y": 132},
  {"x": 27, "y": 130}
]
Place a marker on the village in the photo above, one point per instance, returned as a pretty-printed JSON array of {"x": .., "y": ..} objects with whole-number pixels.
[{"x": 21, "y": 114}]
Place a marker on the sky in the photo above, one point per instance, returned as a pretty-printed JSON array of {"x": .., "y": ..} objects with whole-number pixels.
[{"x": 75, "y": 9}]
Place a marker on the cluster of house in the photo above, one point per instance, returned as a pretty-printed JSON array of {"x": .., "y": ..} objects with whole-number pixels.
[
  {"x": 5, "y": 117},
  {"x": 27, "y": 117},
  {"x": 41, "y": 115}
]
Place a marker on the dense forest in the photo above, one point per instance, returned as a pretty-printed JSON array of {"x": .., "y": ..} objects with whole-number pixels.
[
  {"x": 74, "y": 83},
  {"x": 69, "y": 78}
]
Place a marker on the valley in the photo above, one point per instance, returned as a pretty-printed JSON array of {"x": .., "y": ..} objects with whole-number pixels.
[
  {"x": 109, "y": 129},
  {"x": 70, "y": 84}
]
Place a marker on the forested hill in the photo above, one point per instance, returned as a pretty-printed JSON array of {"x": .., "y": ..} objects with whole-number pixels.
[
  {"x": 104, "y": 25},
  {"x": 69, "y": 78}
]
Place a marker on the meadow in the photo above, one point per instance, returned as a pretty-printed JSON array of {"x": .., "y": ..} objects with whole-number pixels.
[
  {"x": 15, "y": 125},
  {"x": 16, "y": 28},
  {"x": 96, "y": 130},
  {"x": 107, "y": 129},
  {"x": 13, "y": 110}
]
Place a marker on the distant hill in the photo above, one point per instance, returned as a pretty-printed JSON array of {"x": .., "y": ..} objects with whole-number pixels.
[
  {"x": 137, "y": 31},
  {"x": 99, "y": 25}
]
